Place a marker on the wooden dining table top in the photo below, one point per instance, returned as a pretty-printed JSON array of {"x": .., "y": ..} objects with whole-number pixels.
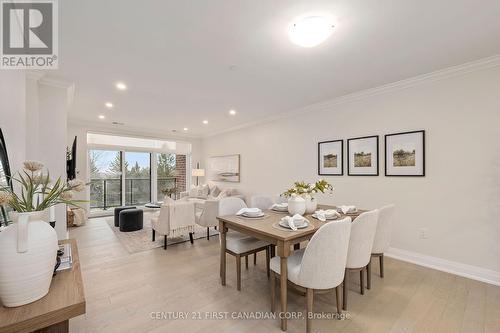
[{"x": 267, "y": 227}]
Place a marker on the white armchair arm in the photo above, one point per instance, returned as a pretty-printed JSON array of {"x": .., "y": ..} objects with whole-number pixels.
[{"x": 208, "y": 217}]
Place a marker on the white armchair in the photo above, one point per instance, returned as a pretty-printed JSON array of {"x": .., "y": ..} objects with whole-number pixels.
[
  {"x": 360, "y": 248},
  {"x": 207, "y": 216},
  {"x": 174, "y": 219}
]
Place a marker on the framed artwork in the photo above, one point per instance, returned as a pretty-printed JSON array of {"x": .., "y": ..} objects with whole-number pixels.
[
  {"x": 362, "y": 156},
  {"x": 405, "y": 154},
  {"x": 330, "y": 158},
  {"x": 224, "y": 168}
]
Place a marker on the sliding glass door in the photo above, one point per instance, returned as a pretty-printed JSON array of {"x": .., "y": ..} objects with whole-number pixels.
[
  {"x": 137, "y": 178},
  {"x": 105, "y": 179},
  {"x": 166, "y": 181}
]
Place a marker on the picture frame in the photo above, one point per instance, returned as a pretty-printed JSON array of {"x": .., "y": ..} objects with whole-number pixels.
[
  {"x": 405, "y": 154},
  {"x": 224, "y": 168},
  {"x": 331, "y": 158},
  {"x": 363, "y": 156}
]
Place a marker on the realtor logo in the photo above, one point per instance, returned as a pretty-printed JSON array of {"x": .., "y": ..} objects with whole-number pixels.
[{"x": 29, "y": 34}]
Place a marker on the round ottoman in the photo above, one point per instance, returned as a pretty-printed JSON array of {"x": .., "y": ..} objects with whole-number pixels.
[
  {"x": 117, "y": 213},
  {"x": 130, "y": 220}
]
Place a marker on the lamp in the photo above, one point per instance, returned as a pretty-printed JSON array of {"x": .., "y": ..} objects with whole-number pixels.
[{"x": 198, "y": 172}]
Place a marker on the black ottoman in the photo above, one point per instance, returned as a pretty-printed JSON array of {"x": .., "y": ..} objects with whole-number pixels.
[
  {"x": 131, "y": 220},
  {"x": 117, "y": 213}
]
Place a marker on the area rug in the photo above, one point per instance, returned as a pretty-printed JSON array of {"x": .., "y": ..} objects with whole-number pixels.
[{"x": 140, "y": 240}]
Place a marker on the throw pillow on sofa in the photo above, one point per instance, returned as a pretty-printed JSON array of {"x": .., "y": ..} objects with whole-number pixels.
[
  {"x": 200, "y": 192},
  {"x": 213, "y": 189}
]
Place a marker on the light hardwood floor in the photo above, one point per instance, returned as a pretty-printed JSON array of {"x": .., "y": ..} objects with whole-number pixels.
[{"x": 123, "y": 290}]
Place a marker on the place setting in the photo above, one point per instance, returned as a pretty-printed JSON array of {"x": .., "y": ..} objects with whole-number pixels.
[
  {"x": 280, "y": 207},
  {"x": 251, "y": 213},
  {"x": 292, "y": 223}
]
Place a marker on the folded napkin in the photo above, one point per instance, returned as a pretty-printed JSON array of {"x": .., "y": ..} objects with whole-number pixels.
[
  {"x": 252, "y": 211},
  {"x": 347, "y": 209},
  {"x": 323, "y": 214},
  {"x": 293, "y": 221},
  {"x": 283, "y": 205}
]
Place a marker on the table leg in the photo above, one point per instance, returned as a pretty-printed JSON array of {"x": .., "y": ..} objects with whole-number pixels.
[
  {"x": 283, "y": 253},
  {"x": 62, "y": 327},
  {"x": 223, "y": 230}
]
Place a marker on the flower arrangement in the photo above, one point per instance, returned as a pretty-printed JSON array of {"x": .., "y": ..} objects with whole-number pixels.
[
  {"x": 307, "y": 190},
  {"x": 37, "y": 191}
]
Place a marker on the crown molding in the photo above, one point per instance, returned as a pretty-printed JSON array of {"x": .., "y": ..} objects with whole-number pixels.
[{"x": 459, "y": 70}]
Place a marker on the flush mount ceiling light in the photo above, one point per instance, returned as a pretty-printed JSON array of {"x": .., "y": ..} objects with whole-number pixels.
[
  {"x": 109, "y": 105},
  {"x": 232, "y": 112},
  {"x": 185, "y": 128},
  {"x": 121, "y": 86},
  {"x": 310, "y": 31},
  {"x": 101, "y": 116},
  {"x": 205, "y": 122}
]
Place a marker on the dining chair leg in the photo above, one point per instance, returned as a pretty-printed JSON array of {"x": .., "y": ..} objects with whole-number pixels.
[
  {"x": 191, "y": 237},
  {"x": 337, "y": 298},
  {"x": 208, "y": 233},
  {"x": 255, "y": 258},
  {"x": 344, "y": 290},
  {"x": 369, "y": 275},
  {"x": 381, "y": 260},
  {"x": 296, "y": 246},
  {"x": 309, "y": 312},
  {"x": 246, "y": 262},
  {"x": 362, "y": 280},
  {"x": 273, "y": 292},
  {"x": 165, "y": 242},
  {"x": 238, "y": 273},
  {"x": 153, "y": 235},
  {"x": 268, "y": 270}
]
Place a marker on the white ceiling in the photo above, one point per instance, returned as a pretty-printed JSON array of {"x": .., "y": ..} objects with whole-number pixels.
[{"x": 176, "y": 56}]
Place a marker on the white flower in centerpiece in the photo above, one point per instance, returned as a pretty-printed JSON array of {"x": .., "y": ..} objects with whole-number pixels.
[
  {"x": 5, "y": 197},
  {"x": 67, "y": 195},
  {"x": 33, "y": 166},
  {"x": 77, "y": 185}
]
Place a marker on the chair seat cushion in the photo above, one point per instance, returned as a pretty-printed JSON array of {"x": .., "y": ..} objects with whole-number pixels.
[
  {"x": 238, "y": 245},
  {"x": 293, "y": 265}
]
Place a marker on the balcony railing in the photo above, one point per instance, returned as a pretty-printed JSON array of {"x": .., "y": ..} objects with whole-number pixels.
[{"x": 107, "y": 193}]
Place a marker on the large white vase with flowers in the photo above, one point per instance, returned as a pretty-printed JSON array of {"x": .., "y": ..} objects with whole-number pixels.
[
  {"x": 301, "y": 197},
  {"x": 28, "y": 246}
]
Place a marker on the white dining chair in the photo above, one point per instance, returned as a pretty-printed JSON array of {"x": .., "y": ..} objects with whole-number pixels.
[
  {"x": 319, "y": 267},
  {"x": 360, "y": 248},
  {"x": 238, "y": 244},
  {"x": 382, "y": 237},
  {"x": 261, "y": 201}
]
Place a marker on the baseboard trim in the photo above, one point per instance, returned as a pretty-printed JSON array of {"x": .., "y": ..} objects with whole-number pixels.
[{"x": 453, "y": 267}]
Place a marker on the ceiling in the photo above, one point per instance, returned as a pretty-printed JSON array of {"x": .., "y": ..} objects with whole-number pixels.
[{"x": 187, "y": 61}]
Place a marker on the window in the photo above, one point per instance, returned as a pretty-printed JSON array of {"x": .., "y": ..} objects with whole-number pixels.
[
  {"x": 105, "y": 179},
  {"x": 137, "y": 178},
  {"x": 166, "y": 178}
]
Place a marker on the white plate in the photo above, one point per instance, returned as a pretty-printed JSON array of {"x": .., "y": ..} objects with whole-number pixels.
[
  {"x": 281, "y": 210},
  {"x": 285, "y": 225},
  {"x": 252, "y": 215},
  {"x": 334, "y": 217}
]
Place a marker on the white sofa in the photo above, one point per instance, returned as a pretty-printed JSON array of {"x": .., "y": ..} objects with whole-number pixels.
[{"x": 207, "y": 207}]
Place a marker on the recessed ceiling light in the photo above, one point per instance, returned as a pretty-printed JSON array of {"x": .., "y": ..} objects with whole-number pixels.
[
  {"x": 232, "y": 112},
  {"x": 109, "y": 105},
  {"x": 121, "y": 86},
  {"x": 101, "y": 116},
  {"x": 185, "y": 128},
  {"x": 310, "y": 31},
  {"x": 205, "y": 122}
]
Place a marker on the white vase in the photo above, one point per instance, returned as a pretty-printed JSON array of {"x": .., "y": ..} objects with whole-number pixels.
[
  {"x": 296, "y": 205},
  {"x": 311, "y": 205},
  {"x": 28, "y": 251}
]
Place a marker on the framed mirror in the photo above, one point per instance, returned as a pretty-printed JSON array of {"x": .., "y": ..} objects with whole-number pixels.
[{"x": 4, "y": 178}]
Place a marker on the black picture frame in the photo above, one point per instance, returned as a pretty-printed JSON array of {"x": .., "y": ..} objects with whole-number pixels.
[
  {"x": 349, "y": 173},
  {"x": 423, "y": 154},
  {"x": 341, "y": 158}
]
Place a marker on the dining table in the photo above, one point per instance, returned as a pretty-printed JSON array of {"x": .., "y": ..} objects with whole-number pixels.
[{"x": 267, "y": 228}]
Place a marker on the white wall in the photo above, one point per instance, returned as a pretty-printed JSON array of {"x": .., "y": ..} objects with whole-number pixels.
[{"x": 459, "y": 199}]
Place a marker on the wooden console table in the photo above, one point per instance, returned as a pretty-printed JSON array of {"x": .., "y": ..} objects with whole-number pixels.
[{"x": 65, "y": 300}]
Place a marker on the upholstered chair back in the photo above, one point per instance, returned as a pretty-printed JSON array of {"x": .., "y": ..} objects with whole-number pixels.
[
  {"x": 261, "y": 201},
  {"x": 384, "y": 229},
  {"x": 361, "y": 242},
  {"x": 324, "y": 260}
]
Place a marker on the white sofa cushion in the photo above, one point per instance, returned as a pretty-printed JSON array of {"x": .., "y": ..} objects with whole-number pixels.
[{"x": 200, "y": 192}]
